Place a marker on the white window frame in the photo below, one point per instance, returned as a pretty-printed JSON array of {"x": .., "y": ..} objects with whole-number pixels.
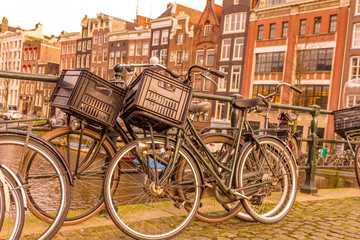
[
  {"x": 356, "y": 98},
  {"x": 138, "y": 49},
  {"x": 352, "y": 67},
  {"x": 216, "y": 110},
  {"x": 238, "y": 49},
  {"x": 236, "y": 2},
  {"x": 207, "y": 30},
  {"x": 163, "y": 54},
  {"x": 356, "y": 25},
  {"x": 155, "y": 53},
  {"x": 357, "y": 7},
  {"x": 165, "y": 36},
  {"x": 238, "y": 20},
  {"x": 172, "y": 56},
  {"x": 232, "y": 78},
  {"x": 222, "y": 82},
  {"x": 197, "y": 55},
  {"x": 145, "y": 50},
  {"x": 207, "y": 57},
  {"x": 156, "y": 38},
  {"x": 181, "y": 38},
  {"x": 228, "y": 48},
  {"x": 131, "y": 49}
]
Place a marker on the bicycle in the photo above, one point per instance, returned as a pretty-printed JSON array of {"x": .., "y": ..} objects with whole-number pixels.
[
  {"x": 12, "y": 207},
  {"x": 46, "y": 184},
  {"x": 161, "y": 171}
]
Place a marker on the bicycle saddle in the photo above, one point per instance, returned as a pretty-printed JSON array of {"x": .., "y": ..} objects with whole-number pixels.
[
  {"x": 199, "y": 107},
  {"x": 246, "y": 103}
]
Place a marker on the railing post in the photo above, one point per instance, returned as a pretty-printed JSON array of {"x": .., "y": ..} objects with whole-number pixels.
[
  {"x": 235, "y": 112},
  {"x": 309, "y": 185}
]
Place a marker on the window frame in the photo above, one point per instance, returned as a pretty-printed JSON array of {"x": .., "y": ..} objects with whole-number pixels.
[
  {"x": 222, "y": 82},
  {"x": 317, "y": 25},
  {"x": 207, "y": 57},
  {"x": 354, "y": 35},
  {"x": 260, "y": 37},
  {"x": 200, "y": 55},
  {"x": 262, "y": 62},
  {"x": 272, "y": 30},
  {"x": 231, "y": 88},
  {"x": 285, "y": 28},
  {"x": 302, "y": 27},
  {"x": 333, "y": 23},
  {"x": 235, "y": 22},
  {"x": 165, "y": 40},
  {"x": 240, "y": 51},
  {"x": 227, "y": 50},
  {"x": 156, "y": 38}
]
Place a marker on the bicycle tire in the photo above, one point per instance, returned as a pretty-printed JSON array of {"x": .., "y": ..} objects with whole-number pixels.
[
  {"x": 86, "y": 195},
  {"x": 2, "y": 205},
  {"x": 211, "y": 210},
  {"x": 16, "y": 216},
  {"x": 138, "y": 202},
  {"x": 54, "y": 192},
  {"x": 252, "y": 169},
  {"x": 357, "y": 165}
]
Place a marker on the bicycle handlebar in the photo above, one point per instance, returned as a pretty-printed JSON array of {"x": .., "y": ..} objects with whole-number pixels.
[
  {"x": 210, "y": 70},
  {"x": 130, "y": 67}
]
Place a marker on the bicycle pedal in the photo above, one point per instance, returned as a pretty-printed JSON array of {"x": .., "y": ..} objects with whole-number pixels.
[{"x": 256, "y": 199}]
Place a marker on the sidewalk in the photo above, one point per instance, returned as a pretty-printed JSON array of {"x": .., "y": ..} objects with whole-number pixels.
[{"x": 329, "y": 214}]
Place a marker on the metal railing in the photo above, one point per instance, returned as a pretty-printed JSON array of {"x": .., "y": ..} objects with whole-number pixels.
[{"x": 313, "y": 140}]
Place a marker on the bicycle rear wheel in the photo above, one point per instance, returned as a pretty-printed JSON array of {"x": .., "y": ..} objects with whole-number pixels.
[
  {"x": 139, "y": 207},
  {"x": 12, "y": 222},
  {"x": 267, "y": 175},
  {"x": 87, "y": 193},
  {"x": 46, "y": 184}
]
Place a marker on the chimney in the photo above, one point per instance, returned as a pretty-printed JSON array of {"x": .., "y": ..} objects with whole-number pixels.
[
  {"x": 4, "y": 24},
  {"x": 39, "y": 27}
]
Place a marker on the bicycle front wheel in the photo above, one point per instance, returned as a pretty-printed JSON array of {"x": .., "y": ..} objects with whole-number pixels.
[
  {"x": 141, "y": 208},
  {"x": 86, "y": 194},
  {"x": 267, "y": 175},
  {"x": 12, "y": 222},
  {"x": 46, "y": 184}
]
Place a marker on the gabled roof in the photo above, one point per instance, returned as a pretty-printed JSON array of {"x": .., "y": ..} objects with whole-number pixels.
[
  {"x": 175, "y": 8},
  {"x": 217, "y": 9}
]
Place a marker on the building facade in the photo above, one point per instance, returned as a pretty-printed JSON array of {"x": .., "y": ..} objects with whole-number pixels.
[{"x": 68, "y": 43}]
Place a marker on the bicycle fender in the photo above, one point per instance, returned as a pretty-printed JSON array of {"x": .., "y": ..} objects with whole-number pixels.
[
  {"x": 6, "y": 192},
  {"x": 48, "y": 145}
]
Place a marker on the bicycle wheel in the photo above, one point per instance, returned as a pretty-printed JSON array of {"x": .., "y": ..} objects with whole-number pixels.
[
  {"x": 267, "y": 175},
  {"x": 45, "y": 184},
  {"x": 86, "y": 193},
  {"x": 357, "y": 164},
  {"x": 139, "y": 207},
  {"x": 12, "y": 222},
  {"x": 213, "y": 199}
]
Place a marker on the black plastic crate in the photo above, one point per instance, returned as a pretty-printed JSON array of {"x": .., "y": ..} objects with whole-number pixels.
[
  {"x": 87, "y": 96},
  {"x": 346, "y": 120},
  {"x": 157, "y": 100}
]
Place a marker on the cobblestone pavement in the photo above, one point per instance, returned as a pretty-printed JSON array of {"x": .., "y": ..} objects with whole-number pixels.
[{"x": 315, "y": 219}]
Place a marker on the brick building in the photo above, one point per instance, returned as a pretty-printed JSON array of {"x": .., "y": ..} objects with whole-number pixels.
[
  {"x": 68, "y": 43},
  {"x": 230, "y": 57},
  {"x": 300, "y": 42},
  {"x": 206, "y": 37}
]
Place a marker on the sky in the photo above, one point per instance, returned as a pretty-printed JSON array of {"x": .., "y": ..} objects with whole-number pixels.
[{"x": 56, "y": 16}]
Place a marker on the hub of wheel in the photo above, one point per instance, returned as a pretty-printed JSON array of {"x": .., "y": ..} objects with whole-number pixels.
[{"x": 156, "y": 190}]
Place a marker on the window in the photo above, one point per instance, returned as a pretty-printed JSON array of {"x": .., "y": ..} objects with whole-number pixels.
[
  {"x": 163, "y": 56},
  {"x": 274, "y": 2},
  {"x": 68, "y": 48},
  {"x": 200, "y": 57},
  {"x": 207, "y": 84},
  {"x": 99, "y": 55},
  {"x": 138, "y": 49},
  {"x": 285, "y": 26},
  {"x": 210, "y": 57},
  {"x": 207, "y": 29},
  {"x": 314, "y": 95},
  {"x": 355, "y": 68},
  {"x": 145, "y": 50},
  {"x": 105, "y": 55},
  {"x": 165, "y": 36},
  {"x": 353, "y": 100},
  {"x": 264, "y": 90},
  {"x": 220, "y": 111},
  {"x": 83, "y": 58},
  {"x": 87, "y": 60},
  {"x": 235, "y": 78},
  {"x": 357, "y": 10},
  {"x": 238, "y": 48},
  {"x": 225, "y": 49},
  {"x": 156, "y": 38},
  {"x": 172, "y": 56},
  {"x": 117, "y": 57},
  {"x": 269, "y": 62},
  {"x": 111, "y": 59},
  {"x": 356, "y": 36},
  {"x": 272, "y": 31},
  {"x": 94, "y": 55},
  {"x": 106, "y": 38},
  {"x": 74, "y": 48},
  {"x": 235, "y": 22},
  {"x": 89, "y": 45},
  {"x": 197, "y": 82},
  {"x": 181, "y": 38},
  {"x": 315, "y": 60},
  {"x": 302, "y": 31},
  {"x": 333, "y": 21},
  {"x": 132, "y": 49},
  {"x": 317, "y": 25},
  {"x": 96, "y": 39},
  {"x": 101, "y": 38},
  {"x": 179, "y": 57},
  {"x": 260, "y": 32},
  {"x": 64, "y": 49},
  {"x": 236, "y": 2},
  {"x": 155, "y": 53},
  {"x": 78, "y": 58},
  {"x": 222, "y": 82},
  {"x": 84, "y": 46}
]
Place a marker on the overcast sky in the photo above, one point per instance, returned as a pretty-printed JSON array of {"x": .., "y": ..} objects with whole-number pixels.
[{"x": 56, "y": 16}]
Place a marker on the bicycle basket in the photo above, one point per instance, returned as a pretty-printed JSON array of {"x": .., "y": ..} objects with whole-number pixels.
[
  {"x": 346, "y": 120},
  {"x": 87, "y": 96},
  {"x": 157, "y": 100}
]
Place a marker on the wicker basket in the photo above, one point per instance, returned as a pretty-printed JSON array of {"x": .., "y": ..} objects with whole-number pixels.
[{"x": 347, "y": 120}]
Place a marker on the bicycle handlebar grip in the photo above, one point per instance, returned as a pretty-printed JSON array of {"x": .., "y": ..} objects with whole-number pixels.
[
  {"x": 296, "y": 89},
  {"x": 216, "y": 72},
  {"x": 172, "y": 73}
]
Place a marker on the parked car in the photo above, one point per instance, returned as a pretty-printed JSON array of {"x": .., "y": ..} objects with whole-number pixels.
[
  {"x": 57, "y": 122},
  {"x": 13, "y": 114},
  {"x": 2, "y": 113}
]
